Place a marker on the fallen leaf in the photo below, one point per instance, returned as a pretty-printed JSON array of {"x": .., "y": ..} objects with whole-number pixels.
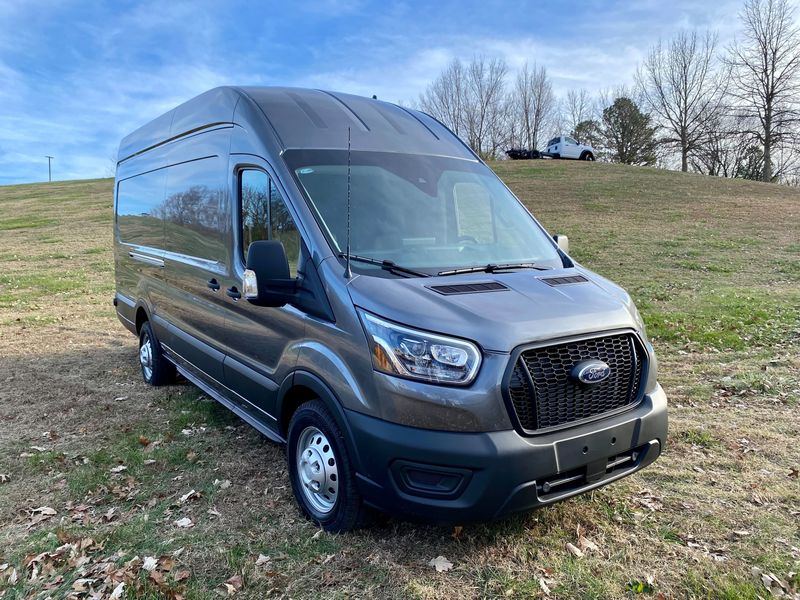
[
  {"x": 184, "y": 523},
  {"x": 457, "y": 530},
  {"x": 231, "y": 586},
  {"x": 44, "y": 510},
  {"x": 4, "y": 478},
  {"x": 144, "y": 441},
  {"x": 119, "y": 469},
  {"x": 317, "y": 534},
  {"x": 118, "y": 591},
  {"x": 441, "y": 564},
  {"x": 82, "y": 585},
  {"x": 182, "y": 575},
  {"x": 191, "y": 495},
  {"x": 150, "y": 563},
  {"x": 262, "y": 559},
  {"x": 222, "y": 484},
  {"x": 574, "y": 550},
  {"x": 191, "y": 456},
  {"x": 586, "y": 544},
  {"x": 149, "y": 461},
  {"x": 543, "y": 585}
]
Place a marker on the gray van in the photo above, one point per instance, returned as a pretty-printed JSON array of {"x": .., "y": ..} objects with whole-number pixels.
[{"x": 348, "y": 277}]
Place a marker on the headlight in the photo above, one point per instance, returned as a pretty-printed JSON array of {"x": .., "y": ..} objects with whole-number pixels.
[{"x": 407, "y": 352}]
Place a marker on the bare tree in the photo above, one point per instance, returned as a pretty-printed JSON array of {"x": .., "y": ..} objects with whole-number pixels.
[
  {"x": 765, "y": 65},
  {"x": 534, "y": 104},
  {"x": 471, "y": 100},
  {"x": 485, "y": 104},
  {"x": 722, "y": 147},
  {"x": 444, "y": 98},
  {"x": 577, "y": 108},
  {"x": 680, "y": 86}
]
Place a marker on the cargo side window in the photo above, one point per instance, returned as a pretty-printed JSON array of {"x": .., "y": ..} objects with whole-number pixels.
[{"x": 265, "y": 216}]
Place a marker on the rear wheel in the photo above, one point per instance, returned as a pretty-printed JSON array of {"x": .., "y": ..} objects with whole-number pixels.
[
  {"x": 156, "y": 369},
  {"x": 322, "y": 476}
]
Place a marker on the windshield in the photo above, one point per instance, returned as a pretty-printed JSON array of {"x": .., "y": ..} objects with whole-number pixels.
[{"x": 425, "y": 212}]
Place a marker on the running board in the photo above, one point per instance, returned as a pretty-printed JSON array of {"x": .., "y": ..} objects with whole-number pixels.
[{"x": 237, "y": 410}]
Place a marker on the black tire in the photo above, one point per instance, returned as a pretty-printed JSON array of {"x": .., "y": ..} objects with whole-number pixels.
[
  {"x": 347, "y": 511},
  {"x": 587, "y": 156},
  {"x": 160, "y": 371}
]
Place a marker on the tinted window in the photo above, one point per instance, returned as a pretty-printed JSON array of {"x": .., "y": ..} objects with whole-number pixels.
[
  {"x": 265, "y": 216},
  {"x": 571, "y": 141},
  {"x": 194, "y": 220},
  {"x": 139, "y": 209},
  {"x": 553, "y": 142}
]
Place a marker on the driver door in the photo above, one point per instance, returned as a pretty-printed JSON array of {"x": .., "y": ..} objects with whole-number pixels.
[{"x": 262, "y": 340}]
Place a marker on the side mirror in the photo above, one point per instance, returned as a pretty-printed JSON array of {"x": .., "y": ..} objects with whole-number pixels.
[
  {"x": 563, "y": 242},
  {"x": 266, "y": 280}
]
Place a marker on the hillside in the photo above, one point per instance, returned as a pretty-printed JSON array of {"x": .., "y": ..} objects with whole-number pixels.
[{"x": 714, "y": 266}]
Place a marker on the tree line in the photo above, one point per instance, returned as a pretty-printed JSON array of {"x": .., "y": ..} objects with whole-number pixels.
[{"x": 731, "y": 111}]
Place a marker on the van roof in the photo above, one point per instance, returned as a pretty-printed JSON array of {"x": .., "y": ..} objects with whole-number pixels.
[{"x": 306, "y": 118}]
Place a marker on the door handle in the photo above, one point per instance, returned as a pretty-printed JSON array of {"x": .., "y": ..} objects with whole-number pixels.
[
  {"x": 212, "y": 283},
  {"x": 233, "y": 293}
]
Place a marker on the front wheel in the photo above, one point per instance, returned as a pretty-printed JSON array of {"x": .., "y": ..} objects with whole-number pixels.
[
  {"x": 322, "y": 476},
  {"x": 587, "y": 156}
]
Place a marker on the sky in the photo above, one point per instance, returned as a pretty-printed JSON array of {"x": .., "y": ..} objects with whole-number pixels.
[{"x": 76, "y": 77}]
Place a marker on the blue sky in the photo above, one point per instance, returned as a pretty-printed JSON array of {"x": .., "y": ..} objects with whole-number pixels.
[{"x": 75, "y": 77}]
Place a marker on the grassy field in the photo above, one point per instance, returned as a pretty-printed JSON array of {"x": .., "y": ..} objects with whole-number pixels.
[{"x": 98, "y": 472}]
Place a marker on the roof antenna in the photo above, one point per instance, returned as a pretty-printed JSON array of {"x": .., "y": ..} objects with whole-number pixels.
[{"x": 348, "y": 273}]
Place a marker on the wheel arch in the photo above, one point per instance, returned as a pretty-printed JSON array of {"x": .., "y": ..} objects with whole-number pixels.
[
  {"x": 302, "y": 386},
  {"x": 142, "y": 315}
]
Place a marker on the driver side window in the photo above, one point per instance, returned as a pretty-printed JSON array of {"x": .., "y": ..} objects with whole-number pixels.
[{"x": 265, "y": 216}]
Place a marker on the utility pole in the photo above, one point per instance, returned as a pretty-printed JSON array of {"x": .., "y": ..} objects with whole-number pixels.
[{"x": 49, "y": 172}]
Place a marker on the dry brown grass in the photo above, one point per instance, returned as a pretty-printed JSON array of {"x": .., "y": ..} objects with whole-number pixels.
[{"x": 715, "y": 268}]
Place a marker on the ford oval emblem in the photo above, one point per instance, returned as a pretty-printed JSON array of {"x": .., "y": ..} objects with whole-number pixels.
[{"x": 591, "y": 371}]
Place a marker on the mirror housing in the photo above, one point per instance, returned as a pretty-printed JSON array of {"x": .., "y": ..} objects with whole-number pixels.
[
  {"x": 563, "y": 242},
  {"x": 266, "y": 280}
]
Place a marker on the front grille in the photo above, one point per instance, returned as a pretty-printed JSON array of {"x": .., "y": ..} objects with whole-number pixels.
[{"x": 543, "y": 395}]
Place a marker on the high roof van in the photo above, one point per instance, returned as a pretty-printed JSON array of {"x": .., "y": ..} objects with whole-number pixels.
[{"x": 350, "y": 279}]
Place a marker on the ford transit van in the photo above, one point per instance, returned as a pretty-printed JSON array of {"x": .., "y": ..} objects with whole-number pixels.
[{"x": 349, "y": 278}]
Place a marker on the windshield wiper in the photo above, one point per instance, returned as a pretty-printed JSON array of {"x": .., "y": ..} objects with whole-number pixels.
[
  {"x": 388, "y": 265},
  {"x": 490, "y": 268}
]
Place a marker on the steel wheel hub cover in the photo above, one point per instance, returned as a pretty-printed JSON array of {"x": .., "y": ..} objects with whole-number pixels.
[
  {"x": 318, "y": 470},
  {"x": 146, "y": 357}
]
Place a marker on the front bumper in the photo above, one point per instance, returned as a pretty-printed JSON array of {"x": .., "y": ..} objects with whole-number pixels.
[{"x": 461, "y": 477}]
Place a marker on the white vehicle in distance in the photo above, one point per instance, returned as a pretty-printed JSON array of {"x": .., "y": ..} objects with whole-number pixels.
[{"x": 564, "y": 146}]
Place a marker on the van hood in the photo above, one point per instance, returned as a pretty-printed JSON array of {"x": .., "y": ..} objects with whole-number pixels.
[{"x": 529, "y": 310}]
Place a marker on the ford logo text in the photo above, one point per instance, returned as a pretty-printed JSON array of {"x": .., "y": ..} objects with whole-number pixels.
[{"x": 591, "y": 371}]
